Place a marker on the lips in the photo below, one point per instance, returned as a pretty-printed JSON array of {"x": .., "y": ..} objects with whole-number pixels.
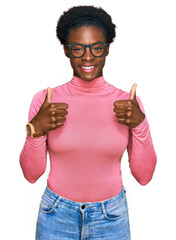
[{"x": 87, "y": 68}]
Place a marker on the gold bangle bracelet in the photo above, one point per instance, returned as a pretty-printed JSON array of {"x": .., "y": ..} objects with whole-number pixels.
[{"x": 32, "y": 129}]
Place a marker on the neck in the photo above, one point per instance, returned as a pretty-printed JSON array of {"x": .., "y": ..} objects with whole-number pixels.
[{"x": 95, "y": 86}]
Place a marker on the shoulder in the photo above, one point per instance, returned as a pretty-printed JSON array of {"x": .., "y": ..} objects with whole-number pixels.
[
  {"x": 124, "y": 95},
  {"x": 36, "y": 102},
  {"x": 39, "y": 97}
]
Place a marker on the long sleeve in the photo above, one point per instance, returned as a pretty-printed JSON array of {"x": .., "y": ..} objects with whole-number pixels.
[
  {"x": 85, "y": 153},
  {"x": 33, "y": 157},
  {"x": 142, "y": 156}
]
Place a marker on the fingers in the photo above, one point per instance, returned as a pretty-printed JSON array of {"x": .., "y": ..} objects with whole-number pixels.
[
  {"x": 124, "y": 117},
  {"x": 127, "y": 110},
  {"x": 49, "y": 95},
  {"x": 123, "y": 114},
  {"x": 58, "y": 112},
  {"x": 55, "y": 119},
  {"x": 124, "y": 106},
  {"x": 59, "y": 105},
  {"x": 56, "y": 122},
  {"x": 121, "y": 103},
  {"x": 122, "y": 121},
  {"x": 133, "y": 92},
  {"x": 56, "y": 115},
  {"x": 123, "y": 110}
]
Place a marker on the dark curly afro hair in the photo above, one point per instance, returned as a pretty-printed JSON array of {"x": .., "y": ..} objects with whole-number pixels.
[{"x": 79, "y": 16}]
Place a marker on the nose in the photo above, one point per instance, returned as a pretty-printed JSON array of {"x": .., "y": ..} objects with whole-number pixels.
[{"x": 87, "y": 55}]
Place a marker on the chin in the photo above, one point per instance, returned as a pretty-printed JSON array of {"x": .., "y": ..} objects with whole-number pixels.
[{"x": 89, "y": 77}]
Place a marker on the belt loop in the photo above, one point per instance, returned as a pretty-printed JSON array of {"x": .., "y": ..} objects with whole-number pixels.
[
  {"x": 124, "y": 189},
  {"x": 57, "y": 201},
  {"x": 103, "y": 207}
]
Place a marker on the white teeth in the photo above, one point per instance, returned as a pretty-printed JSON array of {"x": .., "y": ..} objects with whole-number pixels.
[{"x": 87, "y": 67}]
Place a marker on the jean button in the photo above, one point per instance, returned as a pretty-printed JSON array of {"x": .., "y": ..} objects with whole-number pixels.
[{"x": 83, "y": 206}]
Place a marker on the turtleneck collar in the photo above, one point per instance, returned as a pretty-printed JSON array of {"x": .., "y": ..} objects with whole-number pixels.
[{"x": 95, "y": 86}]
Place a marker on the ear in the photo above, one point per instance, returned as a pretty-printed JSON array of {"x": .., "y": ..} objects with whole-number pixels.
[
  {"x": 107, "y": 49},
  {"x": 66, "y": 51}
]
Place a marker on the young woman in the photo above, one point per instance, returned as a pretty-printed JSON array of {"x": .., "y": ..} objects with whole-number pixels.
[{"x": 86, "y": 125}]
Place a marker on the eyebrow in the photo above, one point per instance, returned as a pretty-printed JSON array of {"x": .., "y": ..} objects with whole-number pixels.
[{"x": 87, "y": 44}]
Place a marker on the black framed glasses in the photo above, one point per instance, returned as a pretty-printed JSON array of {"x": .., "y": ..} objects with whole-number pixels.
[{"x": 78, "y": 50}]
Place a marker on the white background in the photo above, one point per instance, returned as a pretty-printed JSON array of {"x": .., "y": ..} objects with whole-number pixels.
[{"x": 144, "y": 52}]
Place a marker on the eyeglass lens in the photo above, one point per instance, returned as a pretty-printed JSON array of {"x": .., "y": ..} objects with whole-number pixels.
[{"x": 97, "y": 50}]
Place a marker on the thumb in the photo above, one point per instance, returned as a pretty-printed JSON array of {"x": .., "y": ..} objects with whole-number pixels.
[
  {"x": 48, "y": 95},
  {"x": 133, "y": 92}
]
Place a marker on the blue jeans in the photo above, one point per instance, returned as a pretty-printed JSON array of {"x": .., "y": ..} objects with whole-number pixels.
[{"x": 62, "y": 219}]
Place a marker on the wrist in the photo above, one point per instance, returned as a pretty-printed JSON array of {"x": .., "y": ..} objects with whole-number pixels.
[
  {"x": 142, "y": 117},
  {"x": 30, "y": 130},
  {"x": 141, "y": 125},
  {"x": 33, "y": 130}
]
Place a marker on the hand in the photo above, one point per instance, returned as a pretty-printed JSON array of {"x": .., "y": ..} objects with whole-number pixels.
[
  {"x": 50, "y": 115},
  {"x": 128, "y": 112}
]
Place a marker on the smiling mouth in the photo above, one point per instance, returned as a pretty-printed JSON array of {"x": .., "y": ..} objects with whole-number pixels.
[{"x": 87, "y": 68}]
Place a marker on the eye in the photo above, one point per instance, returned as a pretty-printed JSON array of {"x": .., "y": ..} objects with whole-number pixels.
[
  {"x": 77, "y": 49},
  {"x": 97, "y": 48}
]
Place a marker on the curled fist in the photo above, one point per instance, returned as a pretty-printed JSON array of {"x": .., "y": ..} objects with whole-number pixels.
[
  {"x": 50, "y": 115},
  {"x": 128, "y": 112}
]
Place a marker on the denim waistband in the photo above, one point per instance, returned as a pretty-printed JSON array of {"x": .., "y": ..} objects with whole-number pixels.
[{"x": 108, "y": 201}]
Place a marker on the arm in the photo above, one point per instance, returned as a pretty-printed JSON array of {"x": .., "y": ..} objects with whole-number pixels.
[
  {"x": 33, "y": 157},
  {"x": 142, "y": 156}
]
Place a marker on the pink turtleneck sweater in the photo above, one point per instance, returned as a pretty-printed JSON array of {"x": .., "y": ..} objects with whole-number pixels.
[{"x": 85, "y": 153}]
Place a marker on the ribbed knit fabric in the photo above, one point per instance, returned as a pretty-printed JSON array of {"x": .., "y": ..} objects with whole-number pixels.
[{"x": 85, "y": 153}]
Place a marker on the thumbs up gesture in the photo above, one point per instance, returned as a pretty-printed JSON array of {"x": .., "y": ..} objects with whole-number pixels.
[
  {"x": 128, "y": 112},
  {"x": 50, "y": 115}
]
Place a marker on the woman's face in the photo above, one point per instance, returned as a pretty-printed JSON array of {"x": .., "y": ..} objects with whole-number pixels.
[{"x": 87, "y": 35}]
